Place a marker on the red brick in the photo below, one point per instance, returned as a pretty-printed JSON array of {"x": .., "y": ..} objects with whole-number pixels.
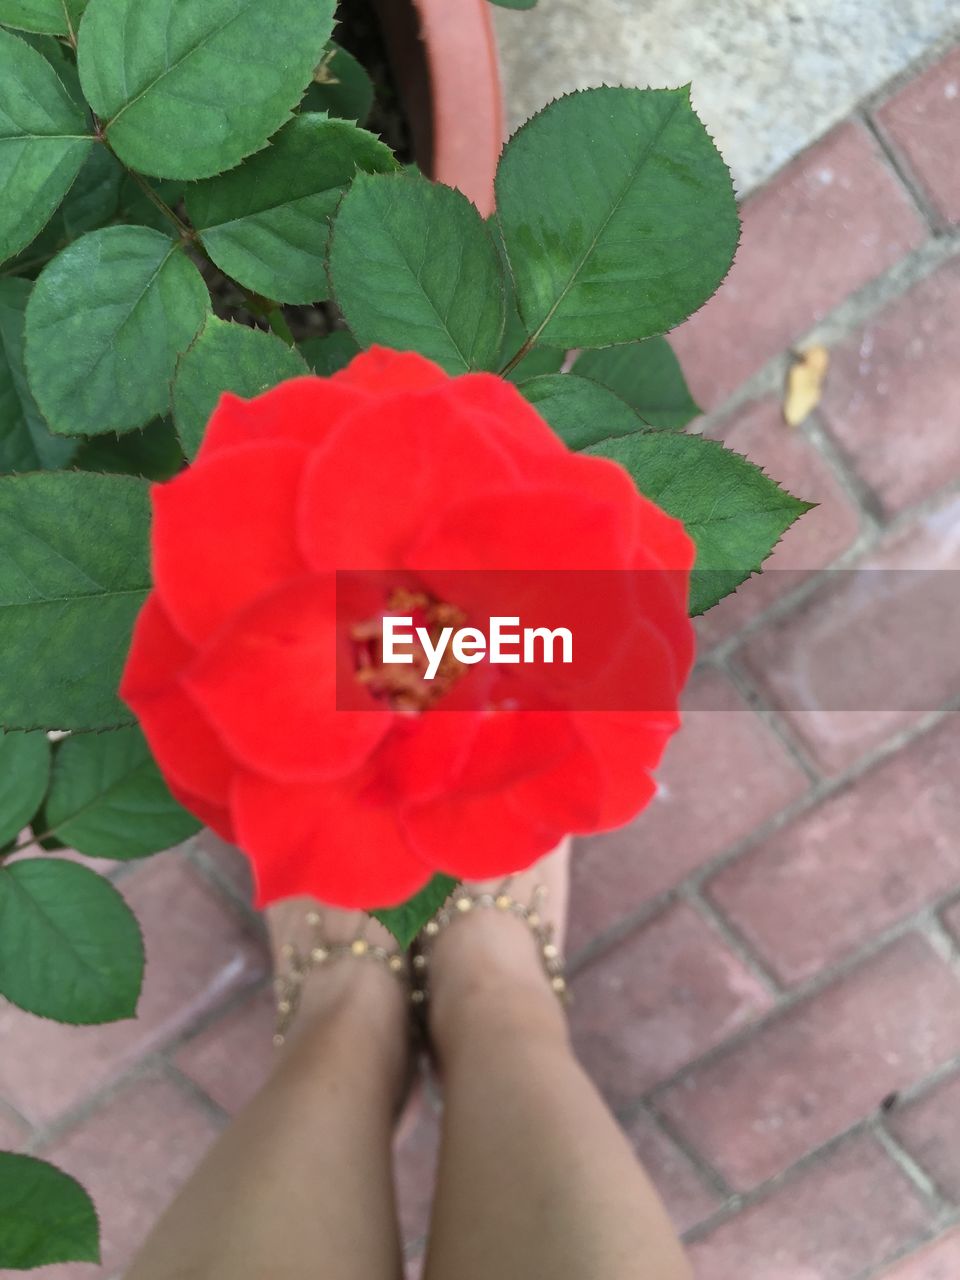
[
  {"x": 229, "y": 864},
  {"x": 13, "y": 1131},
  {"x": 132, "y": 1155},
  {"x": 951, "y": 918},
  {"x": 938, "y": 1261},
  {"x": 929, "y": 1128},
  {"x": 893, "y": 398},
  {"x": 849, "y": 1212},
  {"x": 231, "y": 1058},
  {"x": 814, "y": 541},
  {"x": 923, "y": 123},
  {"x": 661, "y": 998},
  {"x": 864, "y": 859},
  {"x": 197, "y": 954},
  {"x": 415, "y": 1154},
  {"x": 809, "y": 1074},
  {"x": 870, "y": 653},
  {"x": 688, "y": 1197},
  {"x": 102, "y": 866},
  {"x": 833, "y": 220},
  {"x": 723, "y": 774}
]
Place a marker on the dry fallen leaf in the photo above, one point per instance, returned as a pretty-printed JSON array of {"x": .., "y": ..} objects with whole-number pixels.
[{"x": 805, "y": 384}]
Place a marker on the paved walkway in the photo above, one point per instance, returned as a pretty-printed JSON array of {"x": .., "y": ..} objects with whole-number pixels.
[
  {"x": 768, "y": 963},
  {"x": 769, "y": 78}
]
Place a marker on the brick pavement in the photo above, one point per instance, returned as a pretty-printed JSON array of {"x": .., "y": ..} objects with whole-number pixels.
[{"x": 767, "y": 963}]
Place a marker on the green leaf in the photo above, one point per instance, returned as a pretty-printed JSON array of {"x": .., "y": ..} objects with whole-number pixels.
[
  {"x": 44, "y": 139},
  {"x": 26, "y": 443},
  {"x": 187, "y": 90},
  {"x": 92, "y": 201},
  {"x": 648, "y": 376},
  {"x": 332, "y": 352},
  {"x": 51, "y": 17},
  {"x": 341, "y": 87},
  {"x": 74, "y": 573},
  {"x": 406, "y": 921},
  {"x": 617, "y": 213},
  {"x": 581, "y": 412},
  {"x": 106, "y": 322},
  {"x": 153, "y": 452},
  {"x": 515, "y": 4},
  {"x": 52, "y": 48},
  {"x": 136, "y": 206},
  {"x": 45, "y": 1215},
  {"x": 226, "y": 357},
  {"x": 24, "y": 773},
  {"x": 267, "y": 223},
  {"x": 70, "y": 947},
  {"x": 413, "y": 267},
  {"x": 108, "y": 799},
  {"x": 733, "y": 512},
  {"x": 537, "y": 361},
  {"x": 95, "y": 196}
]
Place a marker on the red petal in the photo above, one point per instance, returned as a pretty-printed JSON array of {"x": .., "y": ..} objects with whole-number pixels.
[
  {"x": 224, "y": 533},
  {"x": 368, "y": 493},
  {"x": 382, "y": 371},
  {"x": 475, "y": 837},
  {"x": 423, "y": 755},
  {"x": 488, "y": 825},
  {"x": 523, "y": 528},
  {"x": 512, "y": 419},
  {"x": 211, "y": 815},
  {"x": 333, "y": 841},
  {"x": 269, "y": 684},
  {"x": 301, "y": 411},
  {"x": 189, "y": 753},
  {"x": 626, "y": 747}
]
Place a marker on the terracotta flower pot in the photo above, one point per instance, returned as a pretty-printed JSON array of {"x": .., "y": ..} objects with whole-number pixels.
[{"x": 444, "y": 58}]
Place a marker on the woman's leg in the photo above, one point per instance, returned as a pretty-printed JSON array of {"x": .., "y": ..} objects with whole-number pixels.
[
  {"x": 535, "y": 1180},
  {"x": 300, "y": 1184}
]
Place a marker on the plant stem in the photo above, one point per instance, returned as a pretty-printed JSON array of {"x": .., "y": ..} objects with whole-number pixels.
[
  {"x": 187, "y": 232},
  {"x": 27, "y": 265},
  {"x": 71, "y": 34},
  {"x": 25, "y": 844},
  {"x": 524, "y": 350},
  {"x": 277, "y": 322},
  {"x": 270, "y": 311}
]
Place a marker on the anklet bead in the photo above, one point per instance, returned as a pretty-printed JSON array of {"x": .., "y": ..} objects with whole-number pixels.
[
  {"x": 288, "y": 985},
  {"x": 464, "y": 903}
]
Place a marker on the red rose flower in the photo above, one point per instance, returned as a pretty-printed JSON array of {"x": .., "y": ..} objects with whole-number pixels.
[{"x": 357, "y": 789}]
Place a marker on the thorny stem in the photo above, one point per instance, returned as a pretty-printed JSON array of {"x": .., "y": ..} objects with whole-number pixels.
[
  {"x": 71, "y": 34},
  {"x": 277, "y": 322},
  {"x": 270, "y": 311},
  {"x": 264, "y": 307},
  {"x": 511, "y": 364},
  {"x": 27, "y": 265},
  {"x": 186, "y": 232},
  {"x": 26, "y": 844}
]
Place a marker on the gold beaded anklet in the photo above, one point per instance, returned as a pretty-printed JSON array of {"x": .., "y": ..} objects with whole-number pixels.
[
  {"x": 320, "y": 953},
  {"x": 462, "y": 903}
]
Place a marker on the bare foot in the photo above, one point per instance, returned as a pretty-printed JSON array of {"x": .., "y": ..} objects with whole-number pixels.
[
  {"x": 354, "y": 989},
  {"x": 487, "y": 965}
]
